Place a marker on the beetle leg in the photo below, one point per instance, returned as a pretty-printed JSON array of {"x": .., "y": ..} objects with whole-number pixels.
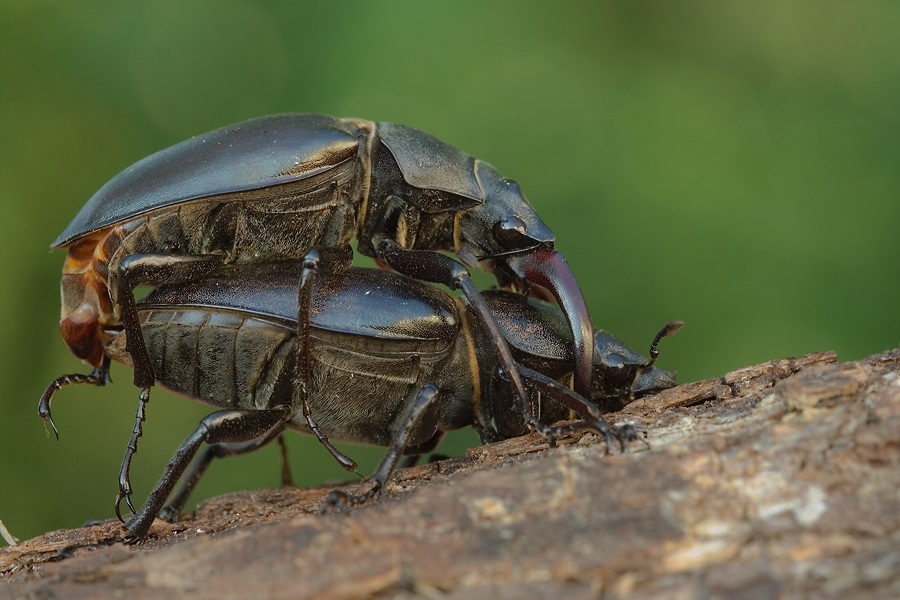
[
  {"x": 425, "y": 399},
  {"x": 221, "y": 427},
  {"x": 414, "y": 454},
  {"x": 345, "y": 461},
  {"x": 125, "y": 469},
  {"x": 590, "y": 414},
  {"x": 287, "y": 479},
  {"x": 153, "y": 269},
  {"x": 172, "y": 510},
  {"x": 333, "y": 260},
  {"x": 98, "y": 376},
  {"x": 435, "y": 267}
]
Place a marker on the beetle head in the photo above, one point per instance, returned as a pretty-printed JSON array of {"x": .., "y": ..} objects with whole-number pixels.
[
  {"x": 501, "y": 226},
  {"x": 506, "y": 231},
  {"x": 622, "y": 375}
]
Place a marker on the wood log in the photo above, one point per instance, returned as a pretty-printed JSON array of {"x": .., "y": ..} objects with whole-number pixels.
[{"x": 776, "y": 480}]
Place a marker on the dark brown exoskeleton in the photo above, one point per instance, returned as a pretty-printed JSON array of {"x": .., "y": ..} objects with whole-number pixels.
[
  {"x": 392, "y": 362},
  {"x": 272, "y": 188}
]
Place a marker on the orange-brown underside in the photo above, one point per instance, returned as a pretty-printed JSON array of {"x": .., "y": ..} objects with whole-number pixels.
[{"x": 86, "y": 302}]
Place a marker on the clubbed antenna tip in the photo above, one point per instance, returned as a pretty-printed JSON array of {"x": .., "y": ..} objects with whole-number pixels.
[{"x": 669, "y": 329}]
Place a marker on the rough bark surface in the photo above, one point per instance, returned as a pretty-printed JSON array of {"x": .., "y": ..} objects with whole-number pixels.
[{"x": 776, "y": 480}]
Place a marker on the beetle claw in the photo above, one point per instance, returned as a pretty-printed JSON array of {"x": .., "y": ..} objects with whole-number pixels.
[
  {"x": 98, "y": 376},
  {"x": 337, "y": 499},
  {"x": 123, "y": 495},
  {"x": 49, "y": 419},
  {"x": 119, "y": 510},
  {"x": 169, "y": 514},
  {"x": 621, "y": 435}
]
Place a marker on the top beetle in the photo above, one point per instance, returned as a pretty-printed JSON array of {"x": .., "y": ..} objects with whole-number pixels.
[{"x": 274, "y": 187}]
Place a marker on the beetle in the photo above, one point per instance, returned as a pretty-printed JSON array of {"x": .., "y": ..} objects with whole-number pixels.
[
  {"x": 393, "y": 362},
  {"x": 272, "y": 188}
]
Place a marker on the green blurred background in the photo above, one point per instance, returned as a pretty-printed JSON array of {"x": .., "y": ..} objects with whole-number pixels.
[{"x": 733, "y": 165}]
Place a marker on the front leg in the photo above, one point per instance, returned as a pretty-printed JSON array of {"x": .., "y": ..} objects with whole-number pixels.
[
  {"x": 427, "y": 265},
  {"x": 592, "y": 420}
]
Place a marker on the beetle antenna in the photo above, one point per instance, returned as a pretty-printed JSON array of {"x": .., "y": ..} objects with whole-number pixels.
[
  {"x": 504, "y": 254},
  {"x": 669, "y": 329}
]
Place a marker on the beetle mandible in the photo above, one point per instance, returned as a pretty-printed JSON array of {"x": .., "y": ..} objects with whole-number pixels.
[
  {"x": 393, "y": 362},
  {"x": 272, "y": 188}
]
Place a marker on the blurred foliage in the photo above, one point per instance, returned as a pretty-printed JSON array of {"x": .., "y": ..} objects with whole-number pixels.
[{"x": 733, "y": 165}]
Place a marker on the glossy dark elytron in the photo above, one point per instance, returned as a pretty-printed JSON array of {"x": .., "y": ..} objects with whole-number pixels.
[{"x": 394, "y": 363}]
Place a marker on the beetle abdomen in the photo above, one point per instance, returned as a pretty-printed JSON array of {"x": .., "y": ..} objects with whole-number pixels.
[
  {"x": 375, "y": 338},
  {"x": 221, "y": 358}
]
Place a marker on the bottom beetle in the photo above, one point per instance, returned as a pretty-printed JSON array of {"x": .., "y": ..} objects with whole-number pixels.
[{"x": 392, "y": 362}]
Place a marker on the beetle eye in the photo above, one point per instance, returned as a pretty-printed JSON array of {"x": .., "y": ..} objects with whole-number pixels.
[
  {"x": 618, "y": 371},
  {"x": 510, "y": 230}
]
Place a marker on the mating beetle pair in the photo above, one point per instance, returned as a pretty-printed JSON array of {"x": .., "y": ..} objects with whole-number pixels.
[
  {"x": 392, "y": 362},
  {"x": 271, "y": 189}
]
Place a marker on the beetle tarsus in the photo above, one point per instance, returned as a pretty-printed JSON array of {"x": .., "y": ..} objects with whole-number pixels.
[
  {"x": 243, "y": 428},
  {"x": 590, "y": 414},
  {"x": 125, "y": 470},
  {"x": 127, "y": 497},
  {"x": 345, "y": 461},
  {"x": 178, "y": 500},
  {"x": 49, "y": 419},
  {"x": 338, "y": 499},
  {"x": 425, "y": 399},
  {"x": 98, "y": 376},
  {"x": 612, "y": 435}
]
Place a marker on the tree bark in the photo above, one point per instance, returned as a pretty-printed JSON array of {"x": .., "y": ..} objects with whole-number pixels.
[{"x": 776, "y": 480}]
